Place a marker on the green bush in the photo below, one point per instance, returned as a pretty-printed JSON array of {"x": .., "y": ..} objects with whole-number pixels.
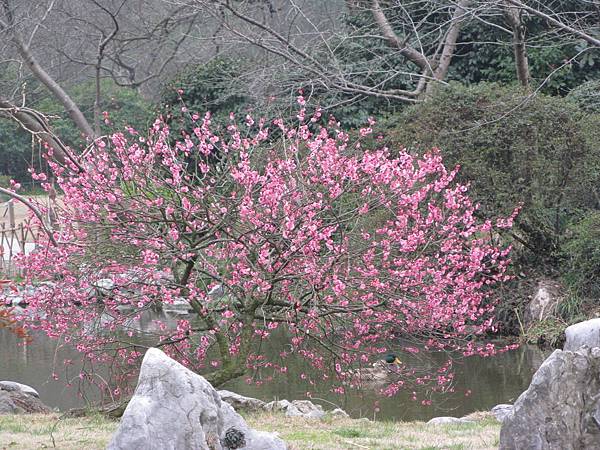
[
  {"x": 16, "y": 152},
  {"x": 587, "y": 96},
  {"x": 542, "y": 151},
  {"x": 201, "y": 88},
  {"x": 582, "y": 255}
]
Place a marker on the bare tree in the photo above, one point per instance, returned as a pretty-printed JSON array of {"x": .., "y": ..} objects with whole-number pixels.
[
  {"x": 10, "y": 26},
  {"x": 580, "y": 20},
  {"x": 310, "y": 41},
  {"x": 59, "y": 43},
  {"x": 408, "y": 48},
  {"x": 296, "y": 39}
]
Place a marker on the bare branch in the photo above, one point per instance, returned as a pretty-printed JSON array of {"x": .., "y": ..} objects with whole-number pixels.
[
  {"x": 560, "y": 24},
  {"x": 35, "y": 123},
  {"x": 394, "y": 41},
  {"x": 59, "y": 93}
]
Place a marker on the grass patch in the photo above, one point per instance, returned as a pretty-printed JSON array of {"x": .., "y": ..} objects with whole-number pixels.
[
  {"x": 25, "y": 432},
  {"x": 33, "y": 431},
  {"x": 349, "y": 432},
  {"x": 343, "y": 433},
  {"x": 550, "y": 331}
]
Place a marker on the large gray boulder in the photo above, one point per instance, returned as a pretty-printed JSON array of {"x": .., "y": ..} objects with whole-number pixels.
[
  {"x": 175, "y": 409},
  {"x": 583, "y": 333},
  {"x": 561, "y": 408},
  {"x": 501, "y": 411}
]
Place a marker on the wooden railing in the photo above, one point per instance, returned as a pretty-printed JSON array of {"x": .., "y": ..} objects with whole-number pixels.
[{"x": 16, "y": 237}]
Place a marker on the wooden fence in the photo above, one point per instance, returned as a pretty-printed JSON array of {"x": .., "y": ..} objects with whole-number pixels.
[{"x": 17, "y": 236}]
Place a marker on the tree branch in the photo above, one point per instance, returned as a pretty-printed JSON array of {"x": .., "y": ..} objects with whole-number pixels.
[
  {"x": 450, "y": 42},
  {"x": 33, "y": 209},
  {"x": 36, "y": 124},
  {"x": 586, "y": 37},
  {"x": 394, "y": 41}
]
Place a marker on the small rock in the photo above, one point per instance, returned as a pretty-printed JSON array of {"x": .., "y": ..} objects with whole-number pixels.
[
  {"x": 309, "y": 409},
  {"x": 583, "y": 333},
  {"x": 14, "y": 300},
  {"x": 282, "y": 406},
  {"x": 297, "y": 408},
  {"x": 14, "y": 386},
  {"x": 339, "y": 412},
  {"x": 241, "y": 403},
  {"x": 449, "y": 421},
  {"x": 177, "y": 306},
  {"x": 501, "y": 411},
  {"x": 217, "y": 291},
  {"x": 544, "y": 301},
  {"x": 104, "y": 286}
]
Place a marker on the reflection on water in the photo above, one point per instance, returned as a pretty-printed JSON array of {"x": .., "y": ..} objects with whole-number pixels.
[
  {"x": 480, "y": 383},
  {"x": 35, "y": 363}
]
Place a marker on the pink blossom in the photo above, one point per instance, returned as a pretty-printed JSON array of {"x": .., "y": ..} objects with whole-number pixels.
[{"x": 308, "y": 234}]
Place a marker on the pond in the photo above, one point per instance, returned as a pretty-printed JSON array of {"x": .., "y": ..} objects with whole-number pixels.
[{"x": 480, "y": 383}]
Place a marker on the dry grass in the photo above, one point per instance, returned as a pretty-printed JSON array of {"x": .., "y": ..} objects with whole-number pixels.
[{"x": 47, "y": 431}]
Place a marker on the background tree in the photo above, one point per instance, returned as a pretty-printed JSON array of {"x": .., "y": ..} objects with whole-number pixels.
[{"x": 51, "y": 46}]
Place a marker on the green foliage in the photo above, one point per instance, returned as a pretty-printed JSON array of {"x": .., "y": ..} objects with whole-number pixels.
[
  {"x": 542, "y": 151},
  {"x": 572, "y": 308},
  {"x": 549, "y": 332},
  {"x": 15, "y": 151},
  {"x": 582, "y": 255},
  {"x": 349, "y": 432},
  {"x": 587, "y": 96},
  {"x": 485, "y": 53},
  {"x": 204, "y": 87},
  {"x": 126, "y": 107}
]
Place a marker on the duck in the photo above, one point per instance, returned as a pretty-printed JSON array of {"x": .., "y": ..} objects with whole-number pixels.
[
  {"x": 392, "y": 359},
  {"x": 381, "y": 371}
]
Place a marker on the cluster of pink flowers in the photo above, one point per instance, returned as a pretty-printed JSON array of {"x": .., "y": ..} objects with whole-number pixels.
[{"x": 345, "y": 248}]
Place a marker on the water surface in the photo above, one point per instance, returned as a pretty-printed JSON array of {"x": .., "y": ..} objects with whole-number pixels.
[{"x": 480, "y": 383}]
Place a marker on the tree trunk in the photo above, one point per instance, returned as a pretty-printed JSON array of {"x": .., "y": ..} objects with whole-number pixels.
[
  {"x": 394, "y": 41},
  {"x": 449, "y": 47},
  {"x": 70, "y": 107},
  {"x": 513, "y": 16}
]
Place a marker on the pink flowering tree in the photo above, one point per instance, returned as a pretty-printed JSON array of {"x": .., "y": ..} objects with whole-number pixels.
[{"x": 258, "y": 228}]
